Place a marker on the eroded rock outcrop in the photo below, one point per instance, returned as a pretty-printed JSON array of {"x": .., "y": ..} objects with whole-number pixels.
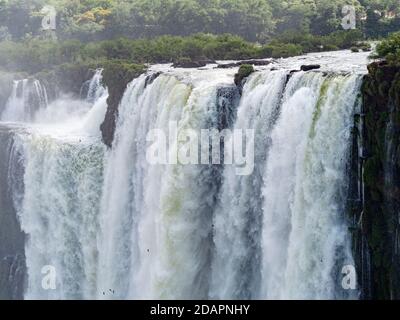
[
  {"x": 245, "y": 71},
  {"x": 309, "y": 67},
  {"x": 116, "y": 76}
]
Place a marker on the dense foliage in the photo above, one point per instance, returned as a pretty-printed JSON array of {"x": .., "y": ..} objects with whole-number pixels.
[
  {"x": 148, "y": 31},
  {"x": 254, "y": 20},
  {"x": 390, "y": 48},
  {"x": 34, "y": 55}
]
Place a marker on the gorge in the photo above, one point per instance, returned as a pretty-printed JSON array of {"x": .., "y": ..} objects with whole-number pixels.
[{"x": 77, "y": 192}]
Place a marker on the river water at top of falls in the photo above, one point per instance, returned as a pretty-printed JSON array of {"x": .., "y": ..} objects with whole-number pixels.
[{"x": 115, "y": 227}]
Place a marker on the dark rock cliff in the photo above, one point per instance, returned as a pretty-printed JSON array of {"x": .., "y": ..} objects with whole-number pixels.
[
  {"x": 116, "y": 76},
  {"x": 12, "y": 256},
  {"x": 377, "y": 238}
]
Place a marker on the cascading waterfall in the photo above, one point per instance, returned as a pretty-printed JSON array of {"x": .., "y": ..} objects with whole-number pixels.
[
  {"x": 301, "y": 157},
  {"x": 236, "y": 260},
  {"x": 97, "y": 95},
  {"x": 59, "y": 214},
  {"x": 27, "y": 97},
  {"x": 94, "y": 87},
  {"x": 161, "y": 215},
  {"x": 305, "y": 238},
  {"x": 114, "y": 226},
  {"x": 55, "y": 178}
]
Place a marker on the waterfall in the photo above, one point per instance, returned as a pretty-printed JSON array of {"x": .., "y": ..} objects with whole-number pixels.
[
  {"x": 114, "y": 226},
  {"x": 97, "y": 96},
  {"x": 237, "y": 220},
  {"x": 305, "y": 238},
  {"x": 59, "y": 214},
  {"x": 275, "y": 237},
  {"x": 94, "y": 87},
  {"x": 27, "y": 97},
  {"x": 28, "y": 103},
  {"x": 55, "y": 178},
  {"x": 161, "y": 215}
]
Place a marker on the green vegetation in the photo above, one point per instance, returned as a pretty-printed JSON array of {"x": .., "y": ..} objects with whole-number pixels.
[
  {"x": 390, "y": 49},
  {"x": 244, "y": 71},
  {"x": 361, "y": 46},
  {"x": 34, "y": 55},
  {"x": 381, "y": 99},
  {"x": 313, "y": 43},
  {"x": 253, "y": 20},
  {"x": 183, "y": 31}
]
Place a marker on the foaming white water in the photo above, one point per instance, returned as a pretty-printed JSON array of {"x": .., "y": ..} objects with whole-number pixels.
[
  {"x": 74, "y": 116},
  {"x": 305, "y": 240},
  {"x": 29, "y": 104},
  {"x": 62, "y": 183},
  {"x": 62, "y": 111},
  {"x": 56, "y": 183}
]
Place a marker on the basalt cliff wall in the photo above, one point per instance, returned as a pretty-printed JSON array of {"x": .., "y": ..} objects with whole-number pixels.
[{"x": 377, "y": 221}]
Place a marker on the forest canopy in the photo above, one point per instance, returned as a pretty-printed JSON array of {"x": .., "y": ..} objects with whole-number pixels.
[
  {"x": 254, "y": 20},
  {"x": 92, "y": 32}
]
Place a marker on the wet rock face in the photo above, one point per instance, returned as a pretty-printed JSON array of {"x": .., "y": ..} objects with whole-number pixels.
[
  {"x": 242, "y": 75},
  {"x": 109, "y": 124},
  {"x": 150, "y": 79},
  {"x": 380, "y": 222},
  {"x": 310, "y": 67},
  {"x": 228, "y": 99},
  {"x": 116, "y": 77},
  {"x": 12, "y": 256}
]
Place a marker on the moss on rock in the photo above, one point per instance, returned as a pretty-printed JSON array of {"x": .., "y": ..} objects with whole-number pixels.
[
  {"x": 244, "y": 71},
  {"x": 380, "y": 91}
]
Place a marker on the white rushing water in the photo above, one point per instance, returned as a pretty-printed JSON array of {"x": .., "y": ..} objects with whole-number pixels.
[
  {"x": 62, "y": 159},
  {"x": 305, "y": 239},
  {"x": 114, "y": 226},
  {"x": 28, "y": 96},
  {"x": 237, "y": 218}
]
